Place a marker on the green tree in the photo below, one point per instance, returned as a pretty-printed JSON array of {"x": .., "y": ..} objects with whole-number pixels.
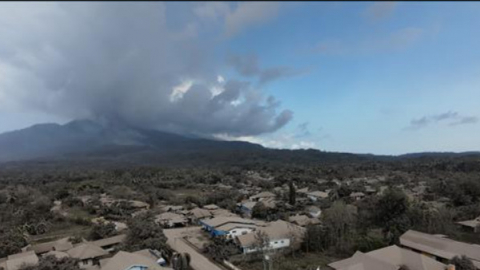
[
  {"x": 11, "y": 242},
  {"x": 102, "y": 230},
  {"x": 260, "y": 211},
  {"x": 433, "y": 220},
  {"x": 52, "y": 263},
  {"x": 181, "y": 261},
  {"x": 462, "y": 263},
  {"x": 291, "y": 194},
  {"x": 144, "y": 233},
  {"x": 391, "y": 211},
  {"x": 314, "y": 239},
  {"x": 337, "y": 231}
]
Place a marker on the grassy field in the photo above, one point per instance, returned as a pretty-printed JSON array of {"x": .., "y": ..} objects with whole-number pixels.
[
  {"x": 78, "y": 212},
  {"x": 60, "y": 230},
  {"x": 302, "y": 261}
]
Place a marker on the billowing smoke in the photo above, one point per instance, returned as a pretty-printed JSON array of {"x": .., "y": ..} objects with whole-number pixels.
[{"x": 128, "y": 62}]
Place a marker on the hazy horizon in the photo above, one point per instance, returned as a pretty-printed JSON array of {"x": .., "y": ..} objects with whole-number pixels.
[{"x": 361, "y": 77}]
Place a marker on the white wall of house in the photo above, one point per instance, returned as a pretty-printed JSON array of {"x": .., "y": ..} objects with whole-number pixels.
[
  {"x": 315, "y": 214},
  {"x": 85, "y": 263},
  {"x": 274, "y": 244},
  {"x": 281, "y": 243},
  {"x": 239, "y": 231}
]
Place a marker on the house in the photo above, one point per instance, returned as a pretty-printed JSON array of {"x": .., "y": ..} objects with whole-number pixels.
[
  {"x": 382, "y": 190},
  {"x": 302, "y": 191},
  {"x": 472, "y": 225},
  {"x": 139, "y": 212},
  {"x": 440, "y": 248},
  {"x": 119, "y": 226},
  {"x": 322, "y": 181},
  {"x": 223, "y": 213},
  {"x": 317, "y": 195},
  {"x": 110, "y": 243},
  {"x": 172, "y": 208},
  {"x": 3, "y": 263},
  {"x": 88, "y": 254},
  {"x": 303, "y": 220},
  {"x": 370, "y": 190},
  {"x": 139, "y": 204},
  {"x": 63, "y": 244},
  {"x": 372, "y": 181},
  {"x": 281, "y": 234},
  {"x": 222, "y": 186},
  {"x": 211, "y": 207},
  {"x": 232, "y": 230},
  {"x": 57, "y": 254},
  {"x": 197, "y": 214},
  {"x": 262, "y": 196},
  {"x": 278, "y": 189},
  {"x": 269, "y": 203},
  {"x": 106, "y": 199},
  {"x": 85, "y": 199},
  {"x": 357, "y": 195},
  {"x": 214, "y": 225},
  {"x": 169, "y": 220},
  {"x": 131, "y": 261},
  {"x": 57, "y": 208},
  {"x": 388, "y": 258},
  {"x": 16, "y": 261},
  {"x": 314, "y": 211},
  {"x": 246, "y": 207},
  {"x": 337, "y": 182}
]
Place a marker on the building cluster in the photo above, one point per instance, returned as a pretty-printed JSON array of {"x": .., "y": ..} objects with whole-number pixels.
[
  {"x": 93, "y": 255},
  {"x": 417, "y": 251}
]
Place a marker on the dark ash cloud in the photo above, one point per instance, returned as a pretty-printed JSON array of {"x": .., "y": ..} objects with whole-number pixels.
[
  {"x": 121, "y": 61},
  {"x": 465, "y": 120},
  {"x": 454, "y": 119}
]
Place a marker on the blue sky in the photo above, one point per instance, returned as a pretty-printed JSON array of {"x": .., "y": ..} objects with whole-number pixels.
[
  {"x": 362, "y": 77},
  {"x": 360, "y": 95}
]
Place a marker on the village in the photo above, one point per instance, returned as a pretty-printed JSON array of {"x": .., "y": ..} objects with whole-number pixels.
[
  {"x": 209, "y": 237},
  {"x": 239, "y": 135}
]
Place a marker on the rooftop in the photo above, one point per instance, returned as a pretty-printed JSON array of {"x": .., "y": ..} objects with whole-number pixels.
[
  {"x": 15, "y": 262},
  {"x": 440, "y": 246},
  {"x": 126, "y": 260},
  {"x": 218, "y": 221},
  {"x": 86, "y": 251}
]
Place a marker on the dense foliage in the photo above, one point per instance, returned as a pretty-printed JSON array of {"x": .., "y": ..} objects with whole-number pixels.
[
  {"x": 144, "y": 233},
  {"x": 52, "y": 263},
  {"x": 27, "y": 195}
]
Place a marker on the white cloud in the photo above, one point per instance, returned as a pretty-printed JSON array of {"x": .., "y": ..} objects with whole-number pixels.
[
  {"x": 180, "y": 90},
  {"x": 277, "y": 141}
]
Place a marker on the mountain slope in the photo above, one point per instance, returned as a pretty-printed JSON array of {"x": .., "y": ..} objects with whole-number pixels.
[
  {"x": 88, "y": 143},
  {"x": 84, "y": 138}
]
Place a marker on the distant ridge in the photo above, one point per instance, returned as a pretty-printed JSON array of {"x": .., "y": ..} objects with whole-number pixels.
[{"x": 89, "y": 142}]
